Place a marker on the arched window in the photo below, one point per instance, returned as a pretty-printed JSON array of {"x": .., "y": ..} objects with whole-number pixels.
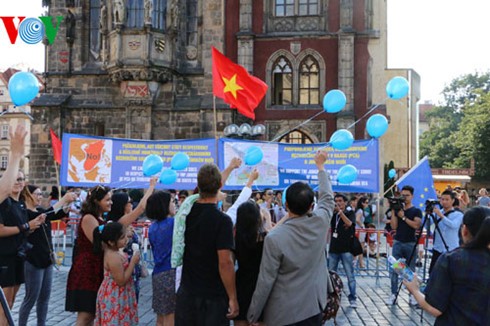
[
  {"x": 309, "y": 81},
  {"x": 282, "y": 82},
  {"x": 94, "y": 29},
  {"x": 296, "y": 137}
]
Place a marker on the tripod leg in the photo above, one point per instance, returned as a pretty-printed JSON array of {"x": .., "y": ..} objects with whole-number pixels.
[{"x": 412, "y": 254}]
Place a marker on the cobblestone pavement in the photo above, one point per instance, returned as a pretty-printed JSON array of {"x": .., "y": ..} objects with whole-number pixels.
[{"x": 372, "y": 309}]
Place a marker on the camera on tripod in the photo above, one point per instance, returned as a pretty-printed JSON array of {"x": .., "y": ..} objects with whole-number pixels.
[
  {"x": 430, "y": 204},
  {"x": 396, "y": 203}
]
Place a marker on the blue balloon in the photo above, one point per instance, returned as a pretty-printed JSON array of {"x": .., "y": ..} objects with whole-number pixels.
[
  {"x": 347, "y": 174},
  {"x": 168, "y": 176},
  {"x": 392, "y": 173},
  {"x": 23, "y": 87},
  {"x": 397, "y": 88},
  {"x": 341, "y": 139},
  {"x": 253, "y": 155},
  {"x": 334, "y": 101},
  {"x": 284, "y": 197},
  {"x": 377, "y": 125},
  {"x": 180, "y": 161},
  {"x": 152, "y": 165}
]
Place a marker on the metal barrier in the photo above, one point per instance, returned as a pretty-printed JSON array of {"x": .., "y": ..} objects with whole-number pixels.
[{"x": 63, "y": 233}]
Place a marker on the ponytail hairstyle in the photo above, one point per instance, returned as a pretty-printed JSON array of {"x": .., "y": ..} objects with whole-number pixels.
[
  {"x": 91, "y": 205},
  {"x": 27, "y": 197},
  {"x": 477, "y": 221},
  {"x": 104, "y": 233}
]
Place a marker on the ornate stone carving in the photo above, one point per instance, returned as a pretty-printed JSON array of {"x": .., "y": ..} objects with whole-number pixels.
[
  {"x": 160, "y": 44},
  {"x": 148, "y": 11},
  {"x": 295, "y": 47},
  {"x": 103, "y": 19},
  {"x": 191, "y": 52},
  {"x": 174, "y": 15},
  {"x": 283, "y": 25},
  {"x": 119, "y": 12},
  {"x": 307, "y": 24},
  {"x": 163, "y": 75}
]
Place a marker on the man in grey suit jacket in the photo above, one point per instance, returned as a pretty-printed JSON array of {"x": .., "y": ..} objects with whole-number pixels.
[{"x": 292, "y": 284}]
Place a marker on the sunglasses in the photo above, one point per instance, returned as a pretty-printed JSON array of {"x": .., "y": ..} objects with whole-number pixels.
[{"x": 20, "y": 180}]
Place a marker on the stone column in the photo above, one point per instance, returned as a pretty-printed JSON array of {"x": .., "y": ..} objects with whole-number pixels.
[{"x": 346, "y": 63}]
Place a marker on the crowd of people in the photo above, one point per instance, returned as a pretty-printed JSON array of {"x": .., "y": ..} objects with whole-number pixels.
[{"x": 261, "y": 260}]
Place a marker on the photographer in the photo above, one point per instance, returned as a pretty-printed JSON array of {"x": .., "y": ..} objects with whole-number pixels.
[
  {"x": 405, "y": 221},
  {"x": 448, "y": 221}
]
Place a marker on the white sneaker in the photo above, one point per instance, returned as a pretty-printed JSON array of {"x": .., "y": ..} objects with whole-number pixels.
[
  {"x": 391, "y": 300},
  {"x": 353, "y": 304}
]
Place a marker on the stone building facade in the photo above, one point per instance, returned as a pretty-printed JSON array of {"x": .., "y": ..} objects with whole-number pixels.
[{"x": 142, "y": 68}]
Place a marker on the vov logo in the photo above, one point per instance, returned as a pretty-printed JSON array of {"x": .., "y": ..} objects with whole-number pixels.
[{"x": 32, "y": 30}]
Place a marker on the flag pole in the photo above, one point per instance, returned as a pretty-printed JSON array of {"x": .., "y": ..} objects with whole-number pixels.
[
  {"x": 215, "y": 118},
  {"x": 57, "y": 179}
]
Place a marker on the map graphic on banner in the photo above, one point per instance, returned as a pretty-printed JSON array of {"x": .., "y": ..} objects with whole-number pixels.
[
  {"x": 268, "y": 172},
  {"x": 89, "y": 160},
  {"x": 284, "y": 164}
]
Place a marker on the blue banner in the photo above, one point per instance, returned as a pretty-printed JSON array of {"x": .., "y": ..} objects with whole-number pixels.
[
  {"x": 89, "y": 161},
  {"x": 284, "y": 164}
]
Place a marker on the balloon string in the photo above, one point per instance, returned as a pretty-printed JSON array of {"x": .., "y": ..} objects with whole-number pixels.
[
  {"x": 26, "y": 113},
  {"x": 296, "y": 127},
  {"x": 365, "y": 114}
]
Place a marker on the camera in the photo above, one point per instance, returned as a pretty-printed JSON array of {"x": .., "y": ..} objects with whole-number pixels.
[
  {"x": 430, "y": 204},
  {"x": 23, "y": 249},
  {"x": 396, "y": 203}
]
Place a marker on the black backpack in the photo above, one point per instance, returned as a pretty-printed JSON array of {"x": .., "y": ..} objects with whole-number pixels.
[{"x": 333, "y": 298}]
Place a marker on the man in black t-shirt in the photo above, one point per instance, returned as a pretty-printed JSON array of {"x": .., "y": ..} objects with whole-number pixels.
[
  {"x": 343, "y": 226},
  {"x": 207, "y": 294},
  {"x": 405, "y": 222}
]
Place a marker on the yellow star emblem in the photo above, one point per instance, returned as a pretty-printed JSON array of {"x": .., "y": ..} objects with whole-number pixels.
[
  {"x": 426, "y": 189},
  {"x": 231, "y": 86},
  {"x": 422, "y": 196}
]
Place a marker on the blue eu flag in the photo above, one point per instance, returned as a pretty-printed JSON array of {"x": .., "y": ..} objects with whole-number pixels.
[{"x": 420, "y": 178}]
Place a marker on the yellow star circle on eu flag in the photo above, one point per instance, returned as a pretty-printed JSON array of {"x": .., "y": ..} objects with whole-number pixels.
[{"x": 231, "y": 86}]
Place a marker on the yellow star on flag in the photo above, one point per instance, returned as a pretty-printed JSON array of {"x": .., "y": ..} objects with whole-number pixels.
[
  {"x": 231, "y": 86},
  {"x": 426, "y": 189}
]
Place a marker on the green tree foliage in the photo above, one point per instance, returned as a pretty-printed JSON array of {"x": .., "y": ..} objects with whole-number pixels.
[
  {"x": 472, "y": 138},
  {"x": 460, "y": 127}
]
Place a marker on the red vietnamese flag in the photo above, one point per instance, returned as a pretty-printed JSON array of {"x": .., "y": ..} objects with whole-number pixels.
[
  {"x": 236, "y": 86},
  {"x": 56, "y": 144}
]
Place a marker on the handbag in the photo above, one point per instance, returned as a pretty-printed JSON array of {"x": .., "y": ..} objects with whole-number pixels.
[
  {"x": 334, "y": 295},
  {"x": 356, "y": 247}
]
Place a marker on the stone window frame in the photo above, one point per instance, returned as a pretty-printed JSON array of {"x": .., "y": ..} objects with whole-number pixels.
[
  {"x": 4, "y": 132},
  {"x": 4, "y": 161},
  {"x": 295, "y": 62},
  {"x": 296, "y": 136}
]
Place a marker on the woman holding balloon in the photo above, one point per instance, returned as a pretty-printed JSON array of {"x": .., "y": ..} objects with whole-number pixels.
[{"x": 86, "y": 272}]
